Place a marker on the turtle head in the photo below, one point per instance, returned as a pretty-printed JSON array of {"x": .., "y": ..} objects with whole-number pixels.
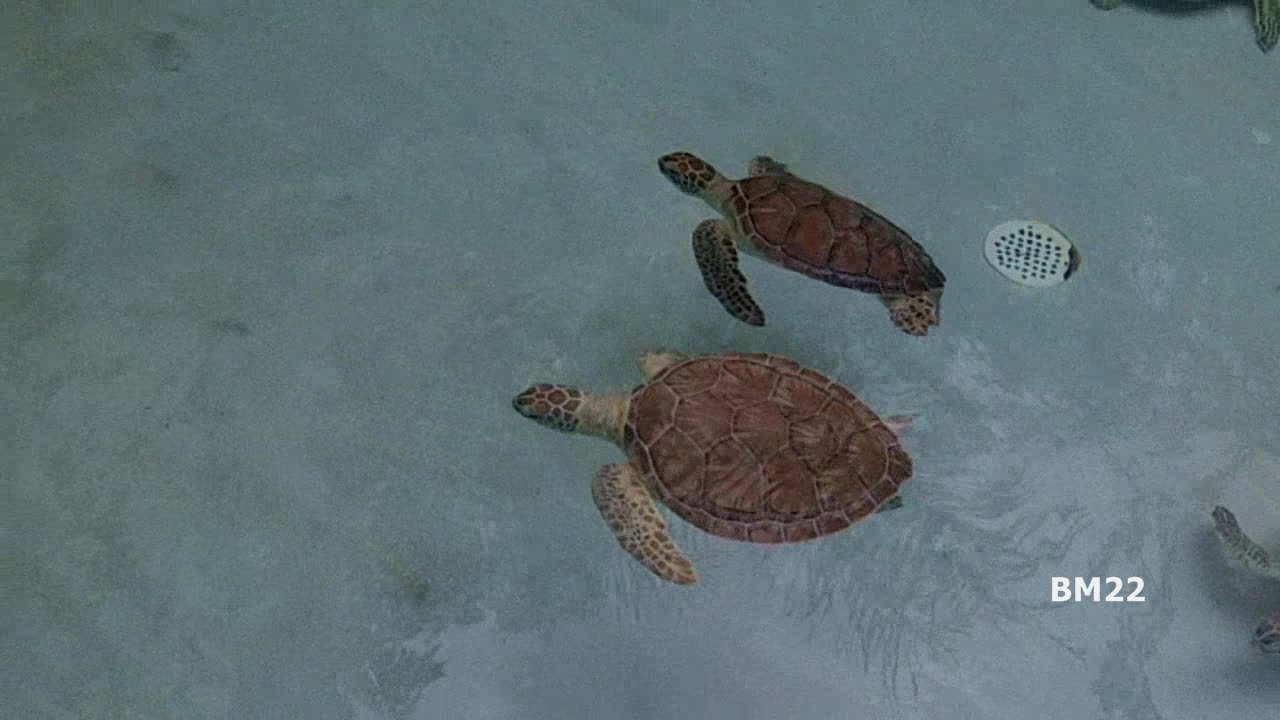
[
  {"x": 568, "y": 409},
  {"x": 691, "y": 174},
  {"x": 553, "y": 406}
]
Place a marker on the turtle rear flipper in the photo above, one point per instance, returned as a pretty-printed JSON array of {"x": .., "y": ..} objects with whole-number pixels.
[
  {"x": 628, "y": 507},
  {"x": 893, "y": 503}
]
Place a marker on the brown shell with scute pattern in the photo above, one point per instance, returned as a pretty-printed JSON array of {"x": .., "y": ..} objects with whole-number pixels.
[
  {"x": 805, "y": 227},
  {"x": 757, "y": 448}
]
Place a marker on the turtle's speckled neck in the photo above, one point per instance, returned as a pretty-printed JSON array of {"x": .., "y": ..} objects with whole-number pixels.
[
  {"x": 718, "y": 195},
  {"x": 604, "y": 415}
]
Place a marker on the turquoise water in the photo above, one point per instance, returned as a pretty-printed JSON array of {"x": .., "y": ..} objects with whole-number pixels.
[{"x": 270, "y": 277}]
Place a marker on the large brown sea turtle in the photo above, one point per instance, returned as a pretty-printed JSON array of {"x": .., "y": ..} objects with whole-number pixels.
[
  {"x": 745, "y": 446},
  {"x": 802, "y": 226},
  {"x": 1266, "y": 636}
]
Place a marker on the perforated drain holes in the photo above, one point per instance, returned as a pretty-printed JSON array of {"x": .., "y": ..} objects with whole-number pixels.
[{"x": 1031, "y": 253}]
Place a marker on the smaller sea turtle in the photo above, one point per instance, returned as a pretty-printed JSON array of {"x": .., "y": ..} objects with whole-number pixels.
[
  {"x": 749, "y": 447},
  {"x": 802, "y": 226},
  {"x": 1266, "y": 18},
  {"x": 1266, "y": 636}
]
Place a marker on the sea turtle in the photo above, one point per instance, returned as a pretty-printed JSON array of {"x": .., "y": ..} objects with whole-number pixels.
[
  {"x": 1266, "y": 18},
  {"x": 1266, "y": 636},
  {"x": 802, "y": 226},
  {"x": 749, "y": 447}
]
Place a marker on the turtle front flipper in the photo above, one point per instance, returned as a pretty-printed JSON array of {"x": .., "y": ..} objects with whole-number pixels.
[
  {"x": 718, "y": 262},
  {"x": 1266, "y": 23},
  {"x": 652, "y": 363},
  {"x": 628, "y": 507},
  {"x": 764, "y": 165},
  {"x": 1244, "y": 550}
]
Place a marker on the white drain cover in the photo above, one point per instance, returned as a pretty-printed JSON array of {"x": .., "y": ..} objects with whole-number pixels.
[{"x": 1031, "y": 253}]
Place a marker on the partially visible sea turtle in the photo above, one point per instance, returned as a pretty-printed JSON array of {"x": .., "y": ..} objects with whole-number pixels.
[
  {"x": 748, "y": 447},
  {"x": 1266, "y": 18},
  {"x": 1266, "y": 636},
  {"x": 802, "y": 226}
]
